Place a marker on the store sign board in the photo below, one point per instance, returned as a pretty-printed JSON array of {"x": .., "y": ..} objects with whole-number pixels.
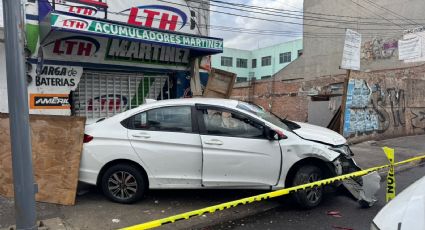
[
  {"x": 125, "y": 50},
  {"x": 134, "y": 33},
  {"x": 49, "y": 101},
  {"x": 57, "y": 79},
  {"x": 172, "y": 16}
]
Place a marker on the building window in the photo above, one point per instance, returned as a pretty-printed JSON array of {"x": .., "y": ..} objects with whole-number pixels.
[
  {"x": 300, "y": 52},
  {"x": 241, "y": 79},
  {"x": 254, "y": 63},
  {"x": 227, "y": 61},
  {"x": 266, "y": 61},
  {"x": 285, "y": 57},
  {"x": 241, "y": 63},
  {"x": 265, "y": 77}
]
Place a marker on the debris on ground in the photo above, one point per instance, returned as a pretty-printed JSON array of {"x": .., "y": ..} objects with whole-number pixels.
[{"x": 334, "y": 214}]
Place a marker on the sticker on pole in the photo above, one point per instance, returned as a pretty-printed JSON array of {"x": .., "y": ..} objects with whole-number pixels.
[{"x": 391, "y": 176}]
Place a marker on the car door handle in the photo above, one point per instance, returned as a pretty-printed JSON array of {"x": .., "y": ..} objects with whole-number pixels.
[
  {"x": 213, "y": 142},
  {"x": 142, "y": 135}
]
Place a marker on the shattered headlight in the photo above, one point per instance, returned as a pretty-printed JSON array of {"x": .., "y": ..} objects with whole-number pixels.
[{"x": 343, "y": 149}]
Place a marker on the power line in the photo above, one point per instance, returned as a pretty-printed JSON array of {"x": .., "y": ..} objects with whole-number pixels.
[
  {"x": 392, "y": 12},
  {"x": 300, "y": 13},
  {"x": 279, "y": 21},
  {"x": 289, "y": 15}
]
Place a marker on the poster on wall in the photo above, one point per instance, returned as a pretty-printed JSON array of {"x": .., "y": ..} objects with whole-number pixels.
[
  {"x": 410, "y": 48},
  {"x": 176, "y": 15},
  {"x": 415, "y": 40},
  {"x": 56, "y": 79},
  {"x": 351, "y": 53}
]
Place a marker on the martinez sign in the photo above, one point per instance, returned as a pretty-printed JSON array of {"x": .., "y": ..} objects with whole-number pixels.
[
  {"x": 145, "y": 52},
  {"x": 122, "y": 31}
]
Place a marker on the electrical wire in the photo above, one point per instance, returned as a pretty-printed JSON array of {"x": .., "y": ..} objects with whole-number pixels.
[
  {"x": 300, "y": 13},
  {"x": 293, "y": 16},
  {"x": 392, "y": 12},
  {"x": 279, "y": 21}
]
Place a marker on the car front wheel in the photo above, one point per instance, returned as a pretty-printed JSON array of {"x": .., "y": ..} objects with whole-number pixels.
[
  {"x": 308, "y": 198},
  {"x": 123, "y": 183}
]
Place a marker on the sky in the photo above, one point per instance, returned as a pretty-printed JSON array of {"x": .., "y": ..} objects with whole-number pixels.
[{"x": 247, "y": 41}]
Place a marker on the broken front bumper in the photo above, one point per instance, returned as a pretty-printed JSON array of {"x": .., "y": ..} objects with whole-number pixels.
[{"x": 362, "y": 188}]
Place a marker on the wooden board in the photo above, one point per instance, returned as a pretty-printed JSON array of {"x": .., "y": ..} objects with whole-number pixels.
[
  {"x": 56, "y": 147},
  {"x": 220, "y": 84}
]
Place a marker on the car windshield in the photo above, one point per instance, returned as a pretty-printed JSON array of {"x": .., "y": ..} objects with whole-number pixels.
[{"x": 260, "y": 112}]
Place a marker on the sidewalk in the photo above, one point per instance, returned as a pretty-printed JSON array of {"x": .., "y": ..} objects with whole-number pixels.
[
  {"x": 93, "y": 211},
  {"x": 369, "y": 154}
]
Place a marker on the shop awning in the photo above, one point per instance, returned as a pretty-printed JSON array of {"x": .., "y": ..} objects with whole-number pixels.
[{"x": 199, "y": 45}]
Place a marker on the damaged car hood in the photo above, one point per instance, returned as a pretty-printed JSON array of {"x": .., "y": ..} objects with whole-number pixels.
[{"x": 317, "y": 133}]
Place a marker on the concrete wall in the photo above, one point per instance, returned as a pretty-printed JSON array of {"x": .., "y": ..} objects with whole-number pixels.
[
  {"x": 323, "y": 46},
  {"x": 259, "y": 71}
]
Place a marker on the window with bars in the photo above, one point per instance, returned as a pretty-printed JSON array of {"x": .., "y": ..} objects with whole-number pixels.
[
  {"x": 285, "y": 57},
  {"x": 241, "y": 63},
  {"x": 266, "y": 61},
  {"x": 254, "y": 63},
  {"x": 227, "y": 61}
]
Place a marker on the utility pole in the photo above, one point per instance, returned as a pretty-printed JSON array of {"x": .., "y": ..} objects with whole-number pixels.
[{"x": 23, "y": 178}]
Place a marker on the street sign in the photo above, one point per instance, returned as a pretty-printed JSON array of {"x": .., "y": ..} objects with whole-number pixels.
[{"x": 351, "y": 53}]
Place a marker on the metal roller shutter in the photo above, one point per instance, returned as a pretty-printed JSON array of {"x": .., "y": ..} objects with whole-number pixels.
[{"x": 103, "y": 94}]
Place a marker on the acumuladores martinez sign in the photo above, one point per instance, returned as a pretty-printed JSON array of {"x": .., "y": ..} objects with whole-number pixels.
[{"x": 134, "y": 33}]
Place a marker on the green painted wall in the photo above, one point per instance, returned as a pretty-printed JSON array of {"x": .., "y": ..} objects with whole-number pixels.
[{"x": 259, "y": 71}]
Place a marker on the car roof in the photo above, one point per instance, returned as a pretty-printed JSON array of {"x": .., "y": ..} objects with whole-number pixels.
[{"x": 192, "y": 101}]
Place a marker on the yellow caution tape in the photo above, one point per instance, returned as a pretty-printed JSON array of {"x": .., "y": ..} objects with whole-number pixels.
[
  {"x": 390, "y": 194},
  {"x": 265, "y": 196}
]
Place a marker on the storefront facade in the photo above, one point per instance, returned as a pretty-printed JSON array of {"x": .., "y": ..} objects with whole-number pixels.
[{"x": 98, "y": 58}]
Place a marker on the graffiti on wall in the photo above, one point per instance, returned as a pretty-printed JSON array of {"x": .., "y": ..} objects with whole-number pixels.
[
  {"x": 379, "y": 48},
  {"x": 372, "y": 108},
  {"x": 418, "y": 119}
]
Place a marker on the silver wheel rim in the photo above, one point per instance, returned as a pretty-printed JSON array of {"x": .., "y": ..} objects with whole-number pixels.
[
  {"x": 313, "y": 195},
  {"x": 122, "y": 185}
]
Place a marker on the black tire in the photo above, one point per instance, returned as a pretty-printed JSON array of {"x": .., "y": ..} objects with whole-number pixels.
[
  {"x": 133, "y": 188},
  {"x": 308, "y": 198}
]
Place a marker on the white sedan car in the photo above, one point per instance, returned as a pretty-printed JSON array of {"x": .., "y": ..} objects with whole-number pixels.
[
  {"x": 208, "y": 143},
  {"x": 405, "y": 212}
]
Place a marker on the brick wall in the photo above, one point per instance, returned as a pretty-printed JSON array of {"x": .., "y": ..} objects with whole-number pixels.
[
  {"x": 286, "y": 98},
  {"x": 393, "y": 104}
]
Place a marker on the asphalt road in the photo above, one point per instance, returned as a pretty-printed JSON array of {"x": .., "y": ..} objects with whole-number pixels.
[{"x": 351, "y": 216}]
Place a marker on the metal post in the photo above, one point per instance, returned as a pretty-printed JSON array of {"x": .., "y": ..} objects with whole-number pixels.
[{"x": 23, "y": 178}]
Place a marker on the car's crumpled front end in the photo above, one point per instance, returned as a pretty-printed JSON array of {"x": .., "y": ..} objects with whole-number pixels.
[{"x": 362, "y": 188}]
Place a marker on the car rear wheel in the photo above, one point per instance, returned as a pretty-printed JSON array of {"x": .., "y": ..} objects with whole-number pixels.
[
  {"x": 308, "y": 198},
  {"x": 123, "y": 183}
]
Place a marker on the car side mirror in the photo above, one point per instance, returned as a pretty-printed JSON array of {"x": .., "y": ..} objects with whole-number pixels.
[{"x": 272, "y": 134}]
